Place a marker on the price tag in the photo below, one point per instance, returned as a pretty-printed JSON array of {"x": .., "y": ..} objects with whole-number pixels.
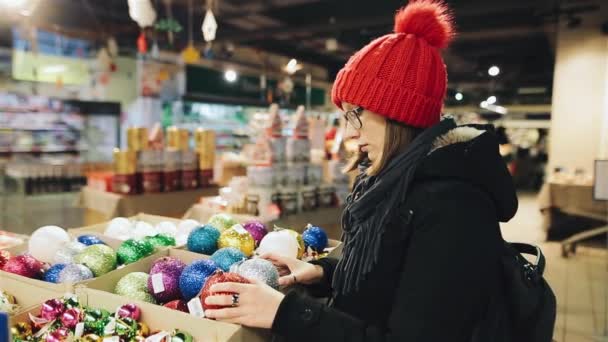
[
  {"x": 195, "y": 307},
  {"x": 111, "y": 339},
  {"x": 157, "y": 283},
  {"x": 110, "y": 327},
  {"x": 79, "y": 330},
  {"x": 239, "y": 229}
]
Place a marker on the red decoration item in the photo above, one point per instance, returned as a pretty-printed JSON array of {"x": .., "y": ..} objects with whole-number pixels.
[
  {"x": 129, "y": 311},
  {"x": 113, "y": 67},
  {"x": 59, "y": 335},
  {"x": 216, "y": 278},
  {"x": 142, "y": 44},
  {"x": 71, "y": 317},
  {"x": 24, "y": 265},
  {"x": 4, "y": 257},
  {"x": 405, "y": 67},
  {"x": 178, "y": 305},
  {"x": 52, "y": 309}
]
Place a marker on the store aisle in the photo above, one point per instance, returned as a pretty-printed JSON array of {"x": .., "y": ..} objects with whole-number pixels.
[{"x": 580, "y": 282}]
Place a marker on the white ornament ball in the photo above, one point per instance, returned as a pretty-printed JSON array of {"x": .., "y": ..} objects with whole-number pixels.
[
  {"x": 143, "y": 229},
  {"x": 281, "y": 243},
  {"x": 46, "y": 241},
  {"x": 66, "y": 254},
  {"x": 167, "y": 228},
  {"x": 119, "y": 227},
  {"x": 187, "y": 226}
]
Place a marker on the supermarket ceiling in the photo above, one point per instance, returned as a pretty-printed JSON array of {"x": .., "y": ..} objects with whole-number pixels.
[{"x": 516, "y": 35}]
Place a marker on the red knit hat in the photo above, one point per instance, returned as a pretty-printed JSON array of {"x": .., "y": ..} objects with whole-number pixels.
[{"x": 401, "y": 75}]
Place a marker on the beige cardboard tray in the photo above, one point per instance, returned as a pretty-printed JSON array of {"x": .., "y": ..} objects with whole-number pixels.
[
  {"x": 160, "y": 318},
  {"x": 27, "y": 294}
]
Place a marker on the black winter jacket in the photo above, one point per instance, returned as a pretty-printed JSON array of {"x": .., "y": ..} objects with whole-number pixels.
[{"x": 439, "y": 267}]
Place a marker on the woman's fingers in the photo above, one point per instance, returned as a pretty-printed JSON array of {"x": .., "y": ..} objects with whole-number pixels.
[
  {"x": 286, "y": 280},
  {"x": 223, "y": 314}
]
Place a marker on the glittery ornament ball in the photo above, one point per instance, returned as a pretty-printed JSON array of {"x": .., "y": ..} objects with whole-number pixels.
[
  {"x": 66, "y": 253},
  {"x": 95, "y": 320},
  {"x": 74, "y": 273},
  {"x": 315, "y": 238},
  {"x": 169, "y": 270},
  {"x": 167, "y": 228},
  {"x": 8, "y": 302},
  {"x": 194, "y": 276},
  {"x": 216, "y": 278},
  {"x": 100, "y": 259},
  {"x": 237, "y": 237},
  {"x": 161, "y": 240},
  {"x": 203, "y": 240},
  {"x": 259, "y": 269},
  {"x": 90, "y": 240},
  {"x": 178, "y": 305},
  {"x": 257, "y": 230},
  {"x": 46, "y": 241},
  {"x": 25, "y": 265},
  {"x": 52, "y": 274},
  {"x": 4, "y": 256},
  {"x": 279, "y": 242},
  {"x": 222, "y": 221},
  {"x": 129, "y": 311},
  {"x": 132, "y": 250},
  {"x": 119, "y": 228},
  {"x": 182, "y": 336},
  {"x": 227, "y": 257},
  {"x": 134, "y": 286}
]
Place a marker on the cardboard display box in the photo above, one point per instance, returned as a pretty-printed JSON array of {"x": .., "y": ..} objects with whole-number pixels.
[
  {"x": 160, "y": 318},
  {"x": 27, "y": 294}
]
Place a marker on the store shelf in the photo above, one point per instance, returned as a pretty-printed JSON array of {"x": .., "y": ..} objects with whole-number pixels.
[{"x": 44, "y": 150}]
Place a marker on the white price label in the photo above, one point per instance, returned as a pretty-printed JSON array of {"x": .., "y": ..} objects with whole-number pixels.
[
  {"x": 195, "y": 307},
  {"x": 239, "y": 229},
  {"x": 160, "y": 337},
  {"x": 157, "y": 283},
  {"x": 110, "y": 327},
  {"x": 111, "y": 339},
  {"x": 79, "y": 330}
]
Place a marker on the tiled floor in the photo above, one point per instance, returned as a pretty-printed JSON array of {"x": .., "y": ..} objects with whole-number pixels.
[{"x": 580, "y": 282}]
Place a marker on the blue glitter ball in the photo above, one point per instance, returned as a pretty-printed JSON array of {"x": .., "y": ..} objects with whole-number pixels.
[
  {"x": 203, "y": 240},
  {"x": 90, "y": 240},
  {"x": 52, "y": 274},
  {"x": 194, "y": 276},
  {"x": 228, "y": 256},
  {"x": 315, "y": 238}
]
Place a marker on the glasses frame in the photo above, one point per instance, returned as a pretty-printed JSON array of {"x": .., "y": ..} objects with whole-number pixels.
[{"x": 353, "y": 117}]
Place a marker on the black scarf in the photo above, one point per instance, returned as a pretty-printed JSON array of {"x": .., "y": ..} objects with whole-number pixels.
[{"x": 371, "y": 204}]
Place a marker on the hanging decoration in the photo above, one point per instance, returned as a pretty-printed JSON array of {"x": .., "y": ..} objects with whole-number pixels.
[
  {"x": 169, "y": 25},
  {"x": 142, "y": 43},
  {"x": 142, "y": 12},
  {"x": 103, "y": 59},
  {"x": 209, "y": 27},
  {"x": 190, "y": 54},
  {"x": 112, "y": 47}
]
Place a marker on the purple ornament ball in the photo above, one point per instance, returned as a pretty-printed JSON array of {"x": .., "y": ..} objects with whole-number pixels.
[
  {"x": 257, "y": 229},
  {"x": 167, "y": 271}
]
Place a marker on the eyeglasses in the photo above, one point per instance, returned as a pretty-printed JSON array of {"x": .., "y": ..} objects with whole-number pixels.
[{"x": 353, "y": 117}]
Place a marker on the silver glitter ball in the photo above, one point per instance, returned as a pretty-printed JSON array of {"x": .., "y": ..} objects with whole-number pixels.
[
  {"x": 74, "y": 273},
  {"x": 66, "y": 254},
  {"x": 259, "y": 269}
]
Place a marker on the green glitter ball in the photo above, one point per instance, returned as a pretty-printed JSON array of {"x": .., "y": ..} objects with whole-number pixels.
[
  {"x": 161, "y": 240},
  {"x": 222, "y": 221},
  {"x": 126, "y": 328},
  {"x": 132, "y": 250},
  {"x": 95, "y": 321},
  {"x": 135, "y": 286},
  {"x": 100, "y": 259},
  {"x": 181, "y": 336}
]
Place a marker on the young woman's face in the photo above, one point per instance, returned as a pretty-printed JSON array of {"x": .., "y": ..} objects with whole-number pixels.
[{"x": 370, "y": 137}]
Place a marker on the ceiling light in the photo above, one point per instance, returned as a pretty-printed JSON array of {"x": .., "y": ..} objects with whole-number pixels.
[
  {"x": 494, "y": 71},
  {"x": 458, "y": 96},
  {"x": 483, "y": 104},
  {"x": 331, "y": 44},
  {"x": 491, "y": 100},
  {"x": 292, "y": 66},
  {"x": 230, "y": 75}
]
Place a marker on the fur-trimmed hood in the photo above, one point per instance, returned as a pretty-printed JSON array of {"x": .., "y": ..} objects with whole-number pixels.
[{"x": 470, "y": 154}]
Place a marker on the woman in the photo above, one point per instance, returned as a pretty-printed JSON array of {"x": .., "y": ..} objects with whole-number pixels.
[{"x": 421, "y": 235}]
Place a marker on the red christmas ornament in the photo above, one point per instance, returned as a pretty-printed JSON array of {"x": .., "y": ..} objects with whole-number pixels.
[
  {"x": 142, "y": 44},
  {"x": 178, "y": 305},
  {"x": 71, "y": 317},
  {"x": 4, "y": 257},
  {"x": 216, "y": 278},
  {"x": 24, "y": 265},
  {"x": 113, "y": 67},
  {"x": 129, "y": 311},
  {"x": 52, "y": 309},
  {"x": 58, "y": 335}
]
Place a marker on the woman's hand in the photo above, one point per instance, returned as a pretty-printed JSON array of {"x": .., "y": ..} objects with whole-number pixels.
[
  {"x": 257, "y": 305},
  {"x": 293, "y": 270}
]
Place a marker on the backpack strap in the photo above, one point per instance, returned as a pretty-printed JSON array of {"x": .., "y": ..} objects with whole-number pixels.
[{"x": 533, "y": 271}]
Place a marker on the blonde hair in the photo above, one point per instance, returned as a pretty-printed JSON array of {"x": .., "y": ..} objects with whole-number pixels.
[{"x": 397, "y": 137}]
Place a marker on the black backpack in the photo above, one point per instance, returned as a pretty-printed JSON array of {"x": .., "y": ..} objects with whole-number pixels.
[{"x": 529, "y": 301}]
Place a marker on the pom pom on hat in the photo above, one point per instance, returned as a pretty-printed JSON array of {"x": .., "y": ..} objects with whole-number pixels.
[{"x": 429, "y": 20}]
